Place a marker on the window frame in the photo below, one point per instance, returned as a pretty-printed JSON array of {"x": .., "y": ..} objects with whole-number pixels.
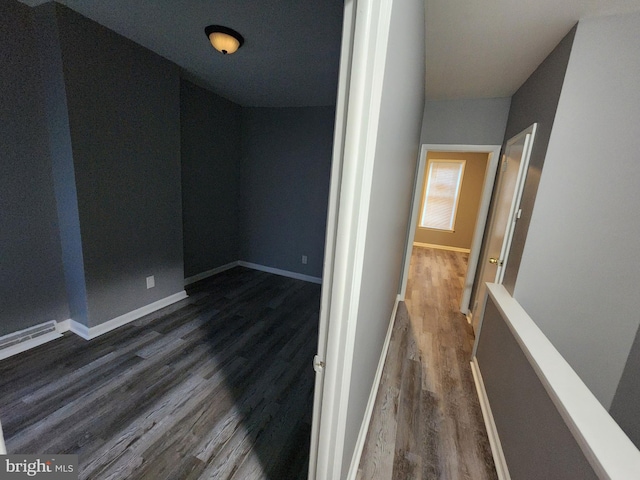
[{"x": 425, "y": 193}]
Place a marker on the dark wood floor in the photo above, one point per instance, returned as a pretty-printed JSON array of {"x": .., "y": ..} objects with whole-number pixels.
[
  {"x": 216, "y": 386},
  {"x": 427, "y": 423}
]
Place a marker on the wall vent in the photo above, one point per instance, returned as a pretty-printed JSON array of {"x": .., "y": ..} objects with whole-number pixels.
[{"x": 31, "y": 334}]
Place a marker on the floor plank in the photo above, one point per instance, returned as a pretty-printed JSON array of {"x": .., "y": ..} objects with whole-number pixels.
[
  {"x": 219, "y": 385},
  {"x": 426, "y": 422}
]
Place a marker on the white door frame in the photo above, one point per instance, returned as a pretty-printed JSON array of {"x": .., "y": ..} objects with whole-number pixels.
[
  {"x": 346, "y": 54},
  {"x": 489, "y": 177},
  {"x": 365, "y": 37}
]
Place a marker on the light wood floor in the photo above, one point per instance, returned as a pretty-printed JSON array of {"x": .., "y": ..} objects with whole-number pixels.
[
  {"x": 216, "y": 386},
  {"x": 427, "y": 423}
]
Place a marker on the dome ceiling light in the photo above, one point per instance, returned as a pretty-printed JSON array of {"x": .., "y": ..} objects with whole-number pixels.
[{"x": 224, "y": 39}]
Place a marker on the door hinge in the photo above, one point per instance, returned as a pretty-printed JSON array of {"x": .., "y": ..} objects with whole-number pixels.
[
  {"x": 505, "y": 162},
  {"x": 318, "y": 365}
]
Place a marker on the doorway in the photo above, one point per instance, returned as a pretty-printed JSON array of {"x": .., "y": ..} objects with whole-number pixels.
[{"x": 429, "y": 151}]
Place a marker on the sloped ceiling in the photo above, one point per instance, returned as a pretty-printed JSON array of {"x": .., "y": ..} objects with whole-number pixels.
[
  {"x": 488, "y": 48},
  {"x": 475, "y": 48}
]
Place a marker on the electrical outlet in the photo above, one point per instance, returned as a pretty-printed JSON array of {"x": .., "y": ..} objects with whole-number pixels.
[
  {"x": 151, "y": 281},
  {"x": 304, "y": 259}
]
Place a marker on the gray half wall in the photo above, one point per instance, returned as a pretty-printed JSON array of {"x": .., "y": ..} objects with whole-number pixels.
[
  {"x": 31, "y": 275},
  {"x": 536, "y": 442},
  {"x": 124, "y": 117},
  {"x": 210, "y": 151},
  {"x": 284, "y": 185}
]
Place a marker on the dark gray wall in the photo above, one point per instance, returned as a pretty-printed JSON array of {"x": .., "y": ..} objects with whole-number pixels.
[
  {"x": 625, "y": 408},
  {"x": 31, "y": 275},
  {"x": 535, "y": 439},
  {"x": 467, "y": 121},
  {"x": 210, "y": 143},
  {"x": 285, "y": 167},
  {"x": 124, "y": 117},
  {"x": 535, "y": 101}
]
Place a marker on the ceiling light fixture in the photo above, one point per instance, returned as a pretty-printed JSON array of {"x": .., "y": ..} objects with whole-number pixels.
[{"x": 224, "y": 39}]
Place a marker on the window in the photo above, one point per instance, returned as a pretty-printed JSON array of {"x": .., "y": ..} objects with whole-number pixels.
[{"x": 440, "y": 200}]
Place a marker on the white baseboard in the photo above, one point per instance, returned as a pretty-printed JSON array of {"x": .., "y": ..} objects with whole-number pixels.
[
  {"x": 209, "y": 273},
  {"x": 368, "y": 413},
  {"x": 253, "y": 266},
  {"x": 89, "y": 333},
  {"x": 492, "y": 431},
  {"x": 63, "y": 326},
  {"x": 284, "y": 273},
  {"x": 92, "y": 332},
  {"x": 441, "y": 247}
]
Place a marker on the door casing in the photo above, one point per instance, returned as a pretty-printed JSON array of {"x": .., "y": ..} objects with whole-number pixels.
[{"x": 342, "y": 101}]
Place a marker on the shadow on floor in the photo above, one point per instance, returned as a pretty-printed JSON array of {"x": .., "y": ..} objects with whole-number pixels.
[{"x": 219, "y": 385}]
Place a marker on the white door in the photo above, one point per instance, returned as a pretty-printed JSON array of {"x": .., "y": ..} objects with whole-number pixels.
[{"x": 506, "y": 212}]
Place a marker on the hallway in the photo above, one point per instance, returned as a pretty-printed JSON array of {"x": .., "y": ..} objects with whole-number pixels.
[{"x": 427, "y": 422}]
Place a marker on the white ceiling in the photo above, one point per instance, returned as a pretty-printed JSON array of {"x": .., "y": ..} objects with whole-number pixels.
[
  {"x": 475, "y": 48},
  {"x": 488, "y": 48}
]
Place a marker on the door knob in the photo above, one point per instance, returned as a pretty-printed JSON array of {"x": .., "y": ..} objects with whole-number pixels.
[{"x": 493, "y": 261}]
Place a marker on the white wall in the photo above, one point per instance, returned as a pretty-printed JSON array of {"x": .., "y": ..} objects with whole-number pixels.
[
  {"x": 468, "y": 121},
  {"x": 580, "y": 272}
]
